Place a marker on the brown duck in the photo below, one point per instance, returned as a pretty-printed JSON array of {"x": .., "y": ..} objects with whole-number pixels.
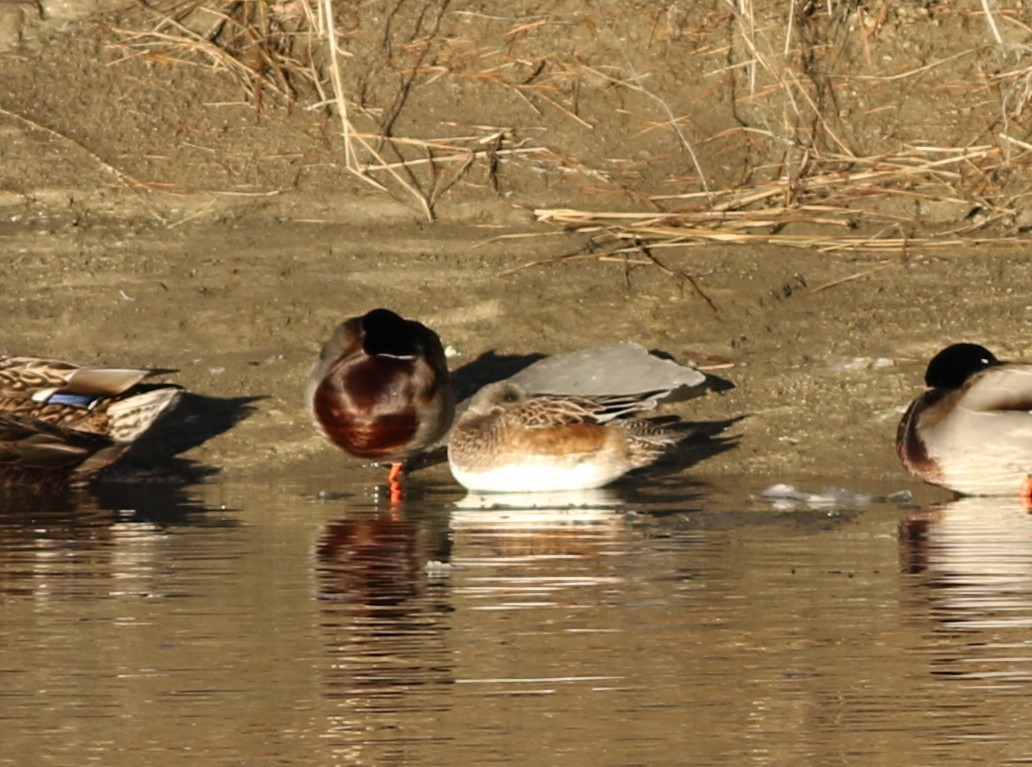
[
  {"x": 61, "y": 422},
  {"x": 510, "y": 441},
  {"x": 380, "y": 389}
]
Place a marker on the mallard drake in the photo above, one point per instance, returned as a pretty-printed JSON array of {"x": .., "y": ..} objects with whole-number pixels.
[
  {"x": 971, "y": 429},
  {"x": 510, "y": 441},
  {"x": 380, "y": 389},
  {"x": 61, "y": 422}
]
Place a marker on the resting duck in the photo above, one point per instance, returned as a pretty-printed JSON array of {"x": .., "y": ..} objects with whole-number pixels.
[
  {"x": 971, "y": 430},
  {"x": 62, "y": 423},
  {"x": 380, "y": 389},
  {"x": 509, "y": 441}
]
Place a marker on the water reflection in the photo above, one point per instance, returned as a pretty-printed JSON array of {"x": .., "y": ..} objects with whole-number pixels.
[
  {"x": 370, "y": 562},
  {"x": 656, "y": 623},
  {"x": 976, "y": 555},
  {"x": 525, "y": 527},
  {"x": 384, "y": 622},
  {"x": 56, "y": 545},
  {"x": 969, "y": 564},
  {"x": 398, "y": 585}
]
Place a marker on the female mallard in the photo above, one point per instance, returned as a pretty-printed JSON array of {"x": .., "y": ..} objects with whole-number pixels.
[
  {"x": 60, "y": 422},
  {"x": 971, "y": 429},
  {"x": 509, "y": 441},
  {"x": 380, "y": 389}
]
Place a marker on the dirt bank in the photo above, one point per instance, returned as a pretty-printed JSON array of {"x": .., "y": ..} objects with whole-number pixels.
[{"x": 150, "y": 215}]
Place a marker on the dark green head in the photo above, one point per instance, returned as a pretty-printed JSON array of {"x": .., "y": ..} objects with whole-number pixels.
[
  {"x": 388, "y": 334},
  {"x": 954, "y": 365}
]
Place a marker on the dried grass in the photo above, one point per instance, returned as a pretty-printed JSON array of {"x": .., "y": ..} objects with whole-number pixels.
[
  {"x": 828, "y": 204},
  {"x": 809, "y": 179},
  {"x": 285, "y": 50}
]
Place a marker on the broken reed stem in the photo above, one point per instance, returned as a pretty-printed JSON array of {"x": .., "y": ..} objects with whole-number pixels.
[
  {"x": 330, "y": 30},
  {"x": 992, "y": 22},
  {"x": 813, "y": 185},
  {"x": 348, "y": 134},
  {"x": 641, "y": 228},
  {"x": 183, "y": 38},
  {"x": 578, "y": 256},
  {"x": 911, "y": 72},
  {"x": 858, "y": 275},
  {"x": 679, "y": 275}
]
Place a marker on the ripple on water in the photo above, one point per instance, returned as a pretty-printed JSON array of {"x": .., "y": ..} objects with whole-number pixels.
[{"x": 656, "y": 625}]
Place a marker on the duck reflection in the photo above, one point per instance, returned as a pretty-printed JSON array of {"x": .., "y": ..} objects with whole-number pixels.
[
  {"x": 569, "y": 523},
  {"x": 69, "y": 543},
  {"x": 385, "y": 619},
  {"x": 970, "y": 567},
  {"x": 374, "y": 564},
  {"x": 972, "y": 546}
]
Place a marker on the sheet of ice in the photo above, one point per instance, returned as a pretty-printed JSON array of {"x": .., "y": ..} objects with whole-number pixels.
[
  {"x": 857, "y": 364},
  {"x": 625, "y": 368},
  {"x": 785, "y": 496}
]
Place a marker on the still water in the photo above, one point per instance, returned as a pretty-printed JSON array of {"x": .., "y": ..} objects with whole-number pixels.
[{"x": 665, "y": 624}]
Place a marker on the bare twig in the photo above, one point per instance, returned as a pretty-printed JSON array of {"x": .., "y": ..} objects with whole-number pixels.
[
  {"x": 859, "y": 275},
  {"x": 677, "y": 274}
]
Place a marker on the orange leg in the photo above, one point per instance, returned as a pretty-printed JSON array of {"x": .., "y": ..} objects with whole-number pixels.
[
  {"x": 394, "y": 484},
  {"x": 1026, "y": 492}
]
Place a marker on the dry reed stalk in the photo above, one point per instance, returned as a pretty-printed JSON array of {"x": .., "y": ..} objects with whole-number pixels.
[
  {"x": 365, "y": 152},
  {"x": 183, "y": 42},
  {"x": 678, "y": 275},
  {"x": 992, "y": 22},
  {"x": 778, "y": 59},
  {"x": 549, "y": 261},
  {"x": 636, "y": 78},
  {"x": 260, "y": 44},
  {"x": 352, "y": 163},
  {"x": 837, "y": 183},
  {"x": 624, "y": 227},
  {"x": 881, "y": 266},
  {"x": 918, "y": 70},
  {"x": 261, "y": 60}
]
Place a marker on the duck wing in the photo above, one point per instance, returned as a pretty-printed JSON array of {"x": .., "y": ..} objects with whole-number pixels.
[
  {"x": 624, "y": 368},
  {"x": 31, "y": 447},
  {"x": 1001, "y": 388}
]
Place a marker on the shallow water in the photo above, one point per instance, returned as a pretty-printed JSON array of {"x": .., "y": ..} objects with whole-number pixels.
[{"x": 661, "y": 623}]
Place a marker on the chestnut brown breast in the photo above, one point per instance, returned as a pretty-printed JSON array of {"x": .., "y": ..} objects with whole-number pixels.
[
  {"x": 912, "y": 451},
  {"x": 366, "y": 405}
]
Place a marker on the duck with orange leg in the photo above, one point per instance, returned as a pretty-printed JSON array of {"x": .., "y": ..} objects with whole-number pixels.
[
  {"x": 971, "y": 429},
  {"x": 380, "y": 389}
]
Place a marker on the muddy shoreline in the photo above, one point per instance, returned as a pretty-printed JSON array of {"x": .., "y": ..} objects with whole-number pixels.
[
  {"x": 241, "y": 308},
  {"x": 162, "y": 221}
]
